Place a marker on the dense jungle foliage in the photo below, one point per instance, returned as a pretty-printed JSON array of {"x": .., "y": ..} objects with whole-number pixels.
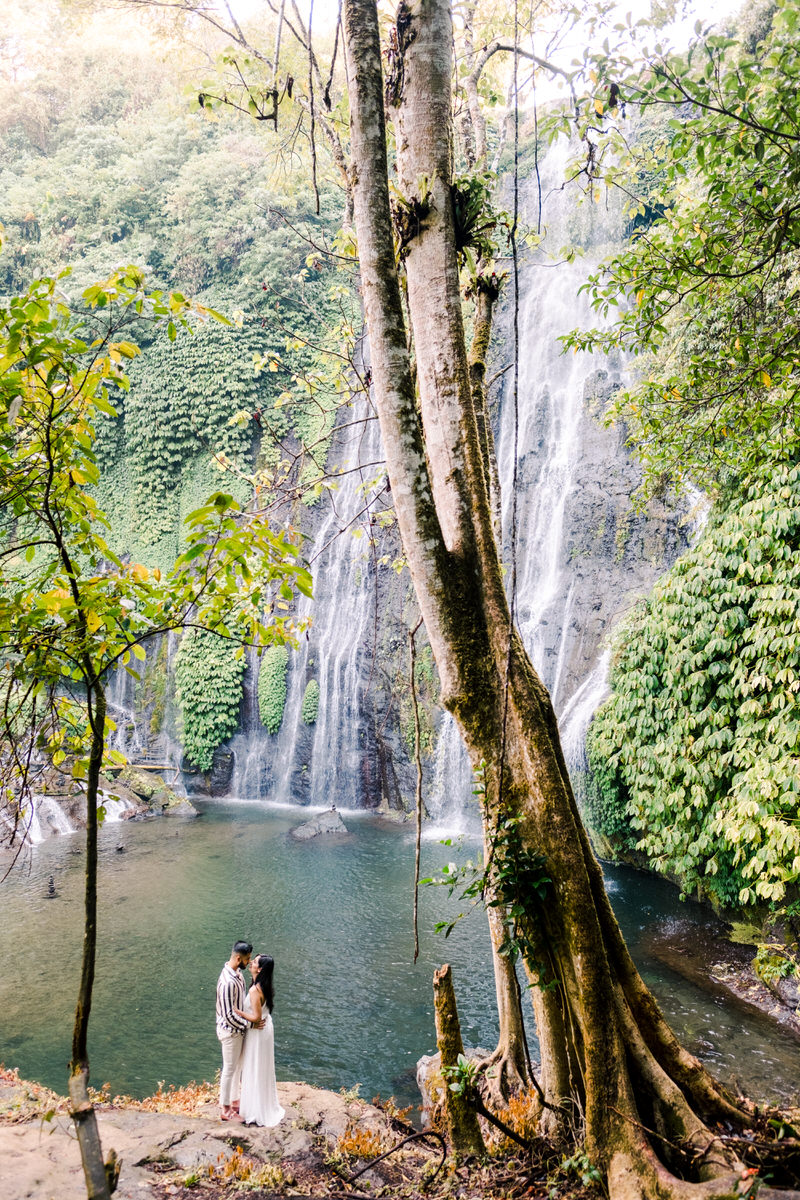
[
  {"x": 694, "y": 757},
  {"x": 107, "y": 159}
]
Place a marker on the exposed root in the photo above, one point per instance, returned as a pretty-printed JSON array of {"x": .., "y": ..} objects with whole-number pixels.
[{"x": 503, "y": 1077}]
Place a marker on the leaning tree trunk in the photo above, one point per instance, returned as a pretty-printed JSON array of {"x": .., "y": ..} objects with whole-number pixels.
[
  {"x": 81, "y": 1107},
  {"x": 613, "y": 1072}
]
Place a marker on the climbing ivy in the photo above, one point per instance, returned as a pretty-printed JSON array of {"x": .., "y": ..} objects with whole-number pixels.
[
  {"x": 698, "y": 747},
  {"x": 272, "y": 687},
  {"x": 145, "y": 181},
  {"x": 310, "y": 706},
  {"x": 178, "y": 415},
  {"x": 209, "y": 686}
]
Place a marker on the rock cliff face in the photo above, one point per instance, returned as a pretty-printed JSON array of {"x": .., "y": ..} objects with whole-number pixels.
[
  {"x": 605, "y": 555},
  {"x": 583, "y": 556}
]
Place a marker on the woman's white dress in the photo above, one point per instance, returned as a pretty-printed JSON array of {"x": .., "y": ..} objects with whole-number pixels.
[{"x": 258, "y": 1103}]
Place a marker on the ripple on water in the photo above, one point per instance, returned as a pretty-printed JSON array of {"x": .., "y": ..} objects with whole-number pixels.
[{"x": 351, "y": 1006}]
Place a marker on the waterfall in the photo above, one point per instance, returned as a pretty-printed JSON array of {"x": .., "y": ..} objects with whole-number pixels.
[
  {"x": 135, "y": 735},
  {"x": 41, "y": 818},
  {"x": 582, "y": 555},
  {"x": 129, "y": 736},
  {"x": 47, "y": 818},
  {"x": 323, "y": 763},
  {"x": 44, "y": 817}
]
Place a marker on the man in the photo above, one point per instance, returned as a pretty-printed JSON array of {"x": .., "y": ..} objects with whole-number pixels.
[{"x": 231, "y": 1026}]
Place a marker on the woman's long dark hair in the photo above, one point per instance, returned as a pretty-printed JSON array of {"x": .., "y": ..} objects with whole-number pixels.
[{"x": 263, "y": 980}]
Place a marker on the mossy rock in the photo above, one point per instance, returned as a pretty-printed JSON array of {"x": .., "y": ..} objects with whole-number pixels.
[{"x": 150, "y": 787}]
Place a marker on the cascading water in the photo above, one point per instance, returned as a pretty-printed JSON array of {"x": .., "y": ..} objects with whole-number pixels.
[
  {"x": 323, "y": 763},
  {"x": 43, "y": 818},
  {"x": 142, "y": 740},
  {"x": 129, "y": 736},
  {"x": 582, "y": 555}
]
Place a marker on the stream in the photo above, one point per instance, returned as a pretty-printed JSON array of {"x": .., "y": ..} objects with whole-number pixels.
[{"x": 350, "y": 1004}]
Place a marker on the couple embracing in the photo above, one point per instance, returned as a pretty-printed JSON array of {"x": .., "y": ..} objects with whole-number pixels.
[{"x": 247, "y": 1090}]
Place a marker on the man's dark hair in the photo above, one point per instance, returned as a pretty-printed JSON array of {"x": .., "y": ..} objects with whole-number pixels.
[{"x": 242, "y": 948}]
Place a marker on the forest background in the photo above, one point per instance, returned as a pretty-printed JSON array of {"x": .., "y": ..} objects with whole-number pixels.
[
  {"x": 715, "y": 801},
  {"x": 108, "y": 158}
]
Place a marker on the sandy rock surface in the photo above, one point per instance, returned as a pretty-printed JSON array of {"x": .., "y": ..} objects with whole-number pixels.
[{"x": 40, "y": 1160}]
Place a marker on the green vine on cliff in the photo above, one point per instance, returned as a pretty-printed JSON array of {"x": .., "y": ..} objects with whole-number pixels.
[
  {"x": 701, "y": 738},
  {"x": 272, "y": 687},
  {"x": 209, "y": 687},
  {"x": 310, "y": 707}
]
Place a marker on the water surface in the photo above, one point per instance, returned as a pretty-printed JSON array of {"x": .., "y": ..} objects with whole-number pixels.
[{"x": 351, "y": 1006}]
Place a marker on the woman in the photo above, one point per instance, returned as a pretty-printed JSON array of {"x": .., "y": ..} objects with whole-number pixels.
[{"x": 258, "y": 1104}]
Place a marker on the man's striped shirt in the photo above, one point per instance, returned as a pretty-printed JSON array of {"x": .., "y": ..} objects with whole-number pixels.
[{"x": 230, "y": 995}]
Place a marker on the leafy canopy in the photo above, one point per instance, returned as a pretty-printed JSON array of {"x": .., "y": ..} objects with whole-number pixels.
[{"x": 704, "y": 290}]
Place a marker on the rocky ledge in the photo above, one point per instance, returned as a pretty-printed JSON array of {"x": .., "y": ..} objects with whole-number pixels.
[
  {"x": 146, "y": 794},
  {"x": 175, "y": 1140},
  {"x": 707, "y": 955}
]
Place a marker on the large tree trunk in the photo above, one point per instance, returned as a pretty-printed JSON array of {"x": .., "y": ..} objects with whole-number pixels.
[{"x": 613, "y": 1073}]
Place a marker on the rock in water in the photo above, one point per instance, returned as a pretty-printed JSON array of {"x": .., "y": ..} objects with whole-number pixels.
[
  {"x": 326, "y": 823},
  {"x": 150, "y": 790}
]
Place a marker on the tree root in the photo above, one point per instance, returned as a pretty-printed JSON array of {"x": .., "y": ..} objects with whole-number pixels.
[
  {"x": 412, "y": 1137},
  {"x": 503, "y": 1077}
]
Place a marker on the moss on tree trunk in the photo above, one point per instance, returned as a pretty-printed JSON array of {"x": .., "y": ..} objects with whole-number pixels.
[
  {"x": 615, "y": 1079},
  {"x": 460, "y": 1117}
]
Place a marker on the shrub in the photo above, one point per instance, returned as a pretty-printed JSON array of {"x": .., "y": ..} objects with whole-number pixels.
[
  {"x": 310, "y": 706},
  {"x": 272, "y": 687}
]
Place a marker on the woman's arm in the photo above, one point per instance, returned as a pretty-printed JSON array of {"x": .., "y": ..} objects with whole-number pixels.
[{"x": 251, "y": 1017}]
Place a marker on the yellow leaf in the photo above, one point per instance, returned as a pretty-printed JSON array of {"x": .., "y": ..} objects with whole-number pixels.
[
  {"x": 640, "y": 297},
  {"x": 765, "y": 378},
  {"x": 598, "y": 107},
  {"x": 140, "y": 572}
]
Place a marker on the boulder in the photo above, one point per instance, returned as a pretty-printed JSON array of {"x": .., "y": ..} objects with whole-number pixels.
[
  {"x": 325, "y": 824},
  {"x": 148, "y": 786},
  {"x": 112, "y": 789},
  {"x": 221, "y": 773}
]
